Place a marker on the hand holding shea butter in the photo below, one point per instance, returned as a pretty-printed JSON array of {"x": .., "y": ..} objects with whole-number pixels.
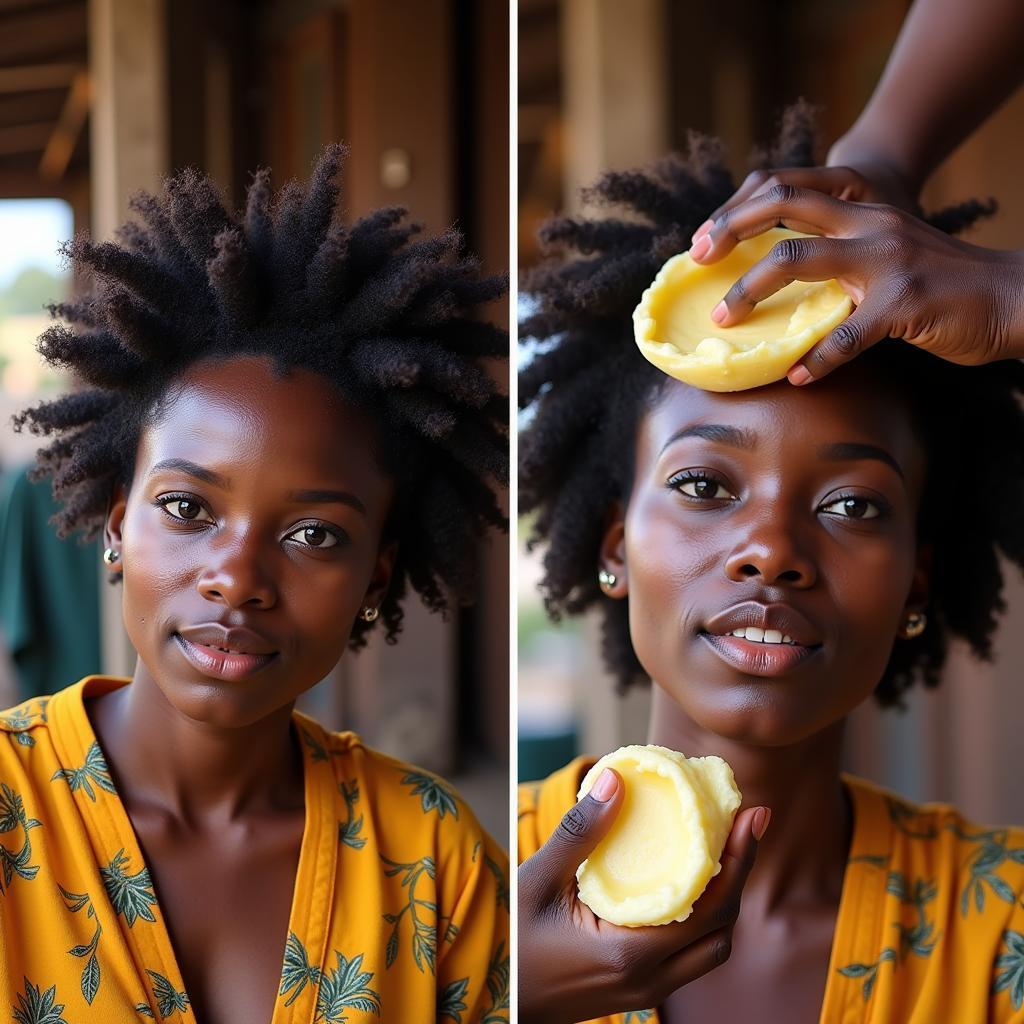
[
  {"x": 666, "y": 843},
  {"x": 574, "y": 965},
  {"x": 674, "y": 329}
]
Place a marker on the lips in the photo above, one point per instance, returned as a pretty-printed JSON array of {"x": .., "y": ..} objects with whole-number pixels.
[
  {"x": 765, "y": 654},
  {"x": 223, "y": 653},
  {"x": 236, "y": 640},
  {"x": 780, "y": 618}
]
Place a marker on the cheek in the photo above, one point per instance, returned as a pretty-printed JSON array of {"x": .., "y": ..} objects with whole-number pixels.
[
  {"x": 870, "y": 580},
  {"x": 156, "y": 563},
  {"x": 665, "y": 558}
]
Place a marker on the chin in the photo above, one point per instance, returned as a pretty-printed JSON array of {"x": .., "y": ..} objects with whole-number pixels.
[
  {"x": 218, "y": 704},
  {"x": 756, "y": 714}
]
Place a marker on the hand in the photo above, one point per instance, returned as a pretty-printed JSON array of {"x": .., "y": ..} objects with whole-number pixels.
[
  {"x": 573, "y": 966},
  {"x": 861, "y": 182},
  {"x": 909, "y": 280}
]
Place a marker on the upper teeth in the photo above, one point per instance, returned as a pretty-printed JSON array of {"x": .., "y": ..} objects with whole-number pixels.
[{"x": 763, "y": 636}]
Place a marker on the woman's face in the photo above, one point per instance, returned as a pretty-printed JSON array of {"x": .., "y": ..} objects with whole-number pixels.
[
  {"x": 257, "y": 506},
  {"x": 783, "y": 508}
]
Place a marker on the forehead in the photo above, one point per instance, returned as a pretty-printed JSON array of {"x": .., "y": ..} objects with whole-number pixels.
[
  {"x": 239, "y": 411},
  {"x": 852, "y": 404}
]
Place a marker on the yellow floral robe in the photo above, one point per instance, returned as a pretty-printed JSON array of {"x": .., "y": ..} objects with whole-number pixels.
[
  {"x": 400, "y": 910},
  {"x": 931, "y": 919}
]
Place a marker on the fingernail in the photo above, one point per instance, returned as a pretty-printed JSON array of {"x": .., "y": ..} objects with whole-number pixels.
[
  {"x": 799, "y": 375},
  {"x": 604, "y": 787},
  {"x": 699, "y": 249},
  {"x": 720, "y": 312},
  {"x": 702, "y": 231},
  {"x": 760, "y": 824}
]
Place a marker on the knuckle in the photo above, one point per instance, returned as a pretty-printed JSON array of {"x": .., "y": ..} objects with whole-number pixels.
[
  {"x": 904, "y": 289},
  {"x": 621, "y": 961},
  {"x": 755, "y": 179},
  {"x": 890, "y": 219},
  {"x": 782, "y": 194},
  {"x": 574, "y": 824},
  {"x": 721, "y": 950},
  {"x": 790, "y": 252},
  {"x": 846, "y": 339}
]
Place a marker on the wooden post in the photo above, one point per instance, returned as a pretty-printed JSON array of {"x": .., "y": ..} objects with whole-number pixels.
[
  {"x": 128, "y": 151},
  {"x": 616, "y": 85},
  {"x": 614, "y": 56}
]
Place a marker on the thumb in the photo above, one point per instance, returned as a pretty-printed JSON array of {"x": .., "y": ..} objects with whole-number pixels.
[{"x": 582, "y": 827}]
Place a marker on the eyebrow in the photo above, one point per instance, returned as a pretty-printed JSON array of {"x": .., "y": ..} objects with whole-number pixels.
[
  {"x": 854, "y": 451},
  {"x": 720, "y": 433},
  {"x": 208, "y": 476},
  {"x": 316, "y": 496},
  {"x": 735, "y": 437},
  {"x": 325, "y": 497}
]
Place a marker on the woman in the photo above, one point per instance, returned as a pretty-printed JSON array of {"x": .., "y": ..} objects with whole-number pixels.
[
  {"x": 282, "y": 429},
  {"x": 828, "y": 515}
]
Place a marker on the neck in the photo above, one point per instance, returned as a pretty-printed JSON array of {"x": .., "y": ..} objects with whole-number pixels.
[
  {"x": 200, "y": 774},
  {"x": 802, "y": 858}
]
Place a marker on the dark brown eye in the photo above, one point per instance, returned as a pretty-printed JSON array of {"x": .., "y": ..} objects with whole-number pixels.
[
  {"x": 185, "y": 508},
  {"x": 315, "y": 537},
  {"x": 853, "y": 508},
  {"x": 702, "y": 487},
  {"x": 188, "y": 509}
]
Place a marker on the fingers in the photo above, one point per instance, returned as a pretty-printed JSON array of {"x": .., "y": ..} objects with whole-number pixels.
[
  {"x": 582, "y": 827},
  {"x": 796, "y": 208},
  {"x": 841, "y": 182},
  {"x": 792, "y": 259},
  {"x": 719, "y": 905},
  {"x": 862, "y": 329},
  {"x": 751, "y": 184},
  {"x": 713, "y": 949}
]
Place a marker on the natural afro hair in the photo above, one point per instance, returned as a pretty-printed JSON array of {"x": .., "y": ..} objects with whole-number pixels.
[
  {"x": 385, "y": 317},
  {"x": 586, "y": 387}
]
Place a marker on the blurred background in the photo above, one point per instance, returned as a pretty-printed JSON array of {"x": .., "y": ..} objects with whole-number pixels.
[
  {"x": 613, "y": 83},
  {"x": 99, "y": 98}
]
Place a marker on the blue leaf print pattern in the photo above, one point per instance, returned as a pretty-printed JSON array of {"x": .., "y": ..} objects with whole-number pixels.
[
  {"x": 12, "y": 816},
  {"x": 76, "y": 901},
  {"x": 131, "y": 895},
  {"x": 434, "y": 794},
  {"x": 168, "y": 999}
]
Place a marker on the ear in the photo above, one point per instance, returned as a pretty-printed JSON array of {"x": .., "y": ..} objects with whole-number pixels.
[
  {"x": 112, "y": 527},
  {"x": 612, "y": 556},
  {"x": 377, "y": 589}
]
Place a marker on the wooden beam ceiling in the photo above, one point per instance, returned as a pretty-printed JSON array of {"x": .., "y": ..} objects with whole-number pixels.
[{"x": 44, "y": 88}]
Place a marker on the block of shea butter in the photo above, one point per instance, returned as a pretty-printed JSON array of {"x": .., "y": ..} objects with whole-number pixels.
[
  {"x": 666, "y": 843},
  {"x": 674, "y": 329}
]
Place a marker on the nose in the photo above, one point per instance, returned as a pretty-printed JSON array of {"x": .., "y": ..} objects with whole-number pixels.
[
  {"x": 235, "y": 575},
  {"x": 769, "y": 549}
]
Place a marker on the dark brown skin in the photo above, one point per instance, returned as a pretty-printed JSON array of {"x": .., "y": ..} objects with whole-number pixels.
[
  {"x": 952, "y": 66},
  {"x": 772, "y": 526},
  {"x": 209, "y": 770}
]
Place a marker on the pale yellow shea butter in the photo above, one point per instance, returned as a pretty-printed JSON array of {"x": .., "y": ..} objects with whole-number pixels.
[
  {"x": 666, "y": 843},
  {"x": 674, "y": 329}
]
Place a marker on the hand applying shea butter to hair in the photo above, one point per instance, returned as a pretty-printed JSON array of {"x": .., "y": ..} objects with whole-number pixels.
[{"x": 953, "y": 65}]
